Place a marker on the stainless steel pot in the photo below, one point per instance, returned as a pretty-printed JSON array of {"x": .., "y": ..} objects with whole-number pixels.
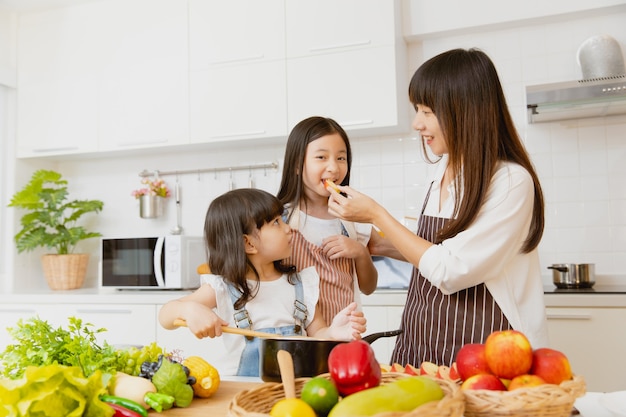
[{"x": 573, "y": 275}]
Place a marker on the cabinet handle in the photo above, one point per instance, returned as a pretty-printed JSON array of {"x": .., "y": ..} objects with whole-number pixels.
[
  {"x": 232, "y": 135},
  {"x": 357, "y": 122},
  {"x": 60, "y": 149},
  {"x": 103, "y": 311},
  {"x": 139, "y": 143},
  {"x": 569, "y": 316},
  {"x": 339, "y": 45},
  {"x": 241, "y": 59}
]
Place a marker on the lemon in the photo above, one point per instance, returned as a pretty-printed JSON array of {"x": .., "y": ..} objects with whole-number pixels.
[
  {"x": 292, "y": 407},
  {"x": 321, "y": 394}
]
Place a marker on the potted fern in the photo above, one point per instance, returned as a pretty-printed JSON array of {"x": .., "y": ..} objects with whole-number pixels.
[{"x": 50, "y": 222}]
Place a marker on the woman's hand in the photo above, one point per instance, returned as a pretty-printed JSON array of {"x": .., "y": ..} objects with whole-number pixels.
[
  {"x": 348, "y": 324},
  {"x": 355, "y": 207}
]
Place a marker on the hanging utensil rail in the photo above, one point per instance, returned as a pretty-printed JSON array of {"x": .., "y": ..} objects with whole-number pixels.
[{"x": 157, "y": 173}]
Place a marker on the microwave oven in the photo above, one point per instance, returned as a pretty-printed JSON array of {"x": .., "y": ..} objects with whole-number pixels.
[{"x": 155, "y": 263}]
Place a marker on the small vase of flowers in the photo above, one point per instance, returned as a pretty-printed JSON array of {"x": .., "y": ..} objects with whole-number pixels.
[{"x": 151, "y": 197}]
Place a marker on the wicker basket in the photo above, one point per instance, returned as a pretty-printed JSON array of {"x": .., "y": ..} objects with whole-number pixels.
[
  {"x": 258, "y": 402},
  {"x": 541, "y": 401},
  {"x": 65, "y": 272}
]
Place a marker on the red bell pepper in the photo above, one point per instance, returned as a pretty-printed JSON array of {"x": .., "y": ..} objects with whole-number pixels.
[
  {"x": 122, "y": 411},
  {"x": 353, "y": 367}
]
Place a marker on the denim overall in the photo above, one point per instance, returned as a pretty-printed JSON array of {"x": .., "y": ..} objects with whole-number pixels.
[{"x": 249, "y": 364}]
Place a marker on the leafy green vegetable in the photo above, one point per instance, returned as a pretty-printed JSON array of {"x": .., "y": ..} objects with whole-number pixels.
[
  {"x": 171, "y": 379},
  {"x": 40, "y": 344},
  {"x": 54, "y": 390}
]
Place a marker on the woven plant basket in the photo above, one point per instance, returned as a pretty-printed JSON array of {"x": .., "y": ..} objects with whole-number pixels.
[
  {"x": 65, "y": 272},
  {"x": 547, "y": 400},
  {"x": 258, "y": 402}
]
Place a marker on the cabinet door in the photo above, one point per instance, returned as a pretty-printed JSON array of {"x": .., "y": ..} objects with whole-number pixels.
[
  {"x": 352, "y": 23},
  {"x": 235, "y": 31},
  {"x": 358, "y": 89},
  {"x": 594, "y": 342},
  {"x": 57, "y": 89},
  {"x": 380, "y": 319},
  {"x": 144, "y": 79},
  {"x": 238, "y": 102}
]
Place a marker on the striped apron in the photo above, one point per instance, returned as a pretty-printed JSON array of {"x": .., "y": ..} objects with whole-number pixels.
[
  {"x": 336, "y": 275},
  {"x": 435, "y": 325}
]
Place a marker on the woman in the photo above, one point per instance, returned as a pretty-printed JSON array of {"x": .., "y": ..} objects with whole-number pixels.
[{"x": 475, "y": 253}]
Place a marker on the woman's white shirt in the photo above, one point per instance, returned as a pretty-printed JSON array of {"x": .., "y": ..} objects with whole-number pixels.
[
  {"x": 489, "y": 251},
  {"x": 272, "y": 306}
]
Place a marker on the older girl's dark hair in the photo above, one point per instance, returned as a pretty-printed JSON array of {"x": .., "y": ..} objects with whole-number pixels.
[
  {"x": 305, "y": 132},
  {"x": 229, "y": 217},
  {"x": 463, "y": 90}
]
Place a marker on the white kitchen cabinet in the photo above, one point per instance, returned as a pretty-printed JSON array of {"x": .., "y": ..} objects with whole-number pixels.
[
  {"x": 237, "y": 70},
  {"x": 359, "y": 89},
  {"x": 57, "y": 89},
  {"x": 102, "y": 76},
  {"x": 126, "y": 324},
  {"x": 327, "y": 26},
  {"x": 380, "y": 319},
  {"x": 354, "y": 73},
  {"x": 594, "y": 341},
  {"x": 144, "y": 77}
]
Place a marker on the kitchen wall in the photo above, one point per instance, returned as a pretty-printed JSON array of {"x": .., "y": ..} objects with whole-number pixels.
[{"x": 580, "y": 163}]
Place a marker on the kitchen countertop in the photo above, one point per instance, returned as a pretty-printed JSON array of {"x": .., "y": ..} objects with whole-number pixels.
[{"x": 589, "y": 405}]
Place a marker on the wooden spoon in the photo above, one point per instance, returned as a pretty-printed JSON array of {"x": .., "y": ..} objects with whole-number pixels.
[
  {"x": 287, "y": 375},
  {"x": 232, "y": 330}
]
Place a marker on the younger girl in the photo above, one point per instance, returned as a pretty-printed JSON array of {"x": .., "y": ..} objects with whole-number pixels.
[
  {"x": 250, "y": 287},
  {"x": 318, "y": 149}
]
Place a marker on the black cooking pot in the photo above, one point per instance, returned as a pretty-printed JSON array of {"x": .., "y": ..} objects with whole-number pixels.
[{"x": 310, "y": 355}]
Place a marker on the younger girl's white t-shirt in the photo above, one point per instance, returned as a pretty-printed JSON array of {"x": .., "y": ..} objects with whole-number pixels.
[{"x": 272, "y": 306}]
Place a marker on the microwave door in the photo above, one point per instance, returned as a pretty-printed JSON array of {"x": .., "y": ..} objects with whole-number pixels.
[{"x": 158, "y": 255}]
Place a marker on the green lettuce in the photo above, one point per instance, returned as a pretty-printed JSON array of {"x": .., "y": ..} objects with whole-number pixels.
[
  {"x": 55, "y": 390},
  {"x": 171, "y": 379}
]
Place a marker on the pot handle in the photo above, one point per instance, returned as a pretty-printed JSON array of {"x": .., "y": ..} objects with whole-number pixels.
[
  {"x": 559, "y": 268},
  {"x": 375, "y": 336}
]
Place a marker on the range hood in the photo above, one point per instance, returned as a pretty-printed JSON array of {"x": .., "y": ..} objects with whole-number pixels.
[{"x": 576, "y": 99}]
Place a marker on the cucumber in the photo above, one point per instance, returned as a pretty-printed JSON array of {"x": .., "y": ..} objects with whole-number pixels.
[{"x": 405, "y": 394}]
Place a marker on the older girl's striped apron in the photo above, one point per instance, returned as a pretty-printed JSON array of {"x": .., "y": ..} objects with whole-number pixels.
[
  {"x": 435, "y": 325},
  {"x": 336, "y": 275}
]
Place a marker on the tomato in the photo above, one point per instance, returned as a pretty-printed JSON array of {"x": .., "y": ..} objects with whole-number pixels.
[
  {"x": 321, "y": 394},
  {"x": 292, "y": 407}
]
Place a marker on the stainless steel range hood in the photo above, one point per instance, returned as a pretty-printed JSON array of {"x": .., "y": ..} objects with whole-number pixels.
[{"x": 576, "y": 99}]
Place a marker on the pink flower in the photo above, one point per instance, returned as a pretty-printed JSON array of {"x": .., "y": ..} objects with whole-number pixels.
[{"x": 156, "y": 187}]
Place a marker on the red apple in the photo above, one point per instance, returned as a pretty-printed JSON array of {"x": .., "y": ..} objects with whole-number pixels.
[
  {"x": 508, "y": 353},
  {"x": 411, "y": 370},
  {"x": 428, "y": 368},
  {"x": 551, "y": 365},
  {"x": 483, "y": 381},
  {"x": 471, "y": 360},
  {"x": 525, "y": 381}
]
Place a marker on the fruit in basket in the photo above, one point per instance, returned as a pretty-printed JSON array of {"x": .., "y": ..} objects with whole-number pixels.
[
  {"x": 428, "y": 368},
  {"x": 471, "y": 360},
  {"x": 525, "y": 381},
  {"x": 404, "y": 394},
  {"x": 508, "y": 353},
  {"x": 411, "y": 370},
  {"x": 483, "y": 381},
  {"x": 321, "y": 394},
  {"x": 353, "y": 367},
  {"x": 551, "y": 365},
  {"x": 207, "y": 377},
  {"x": 292, "y": 407}
]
